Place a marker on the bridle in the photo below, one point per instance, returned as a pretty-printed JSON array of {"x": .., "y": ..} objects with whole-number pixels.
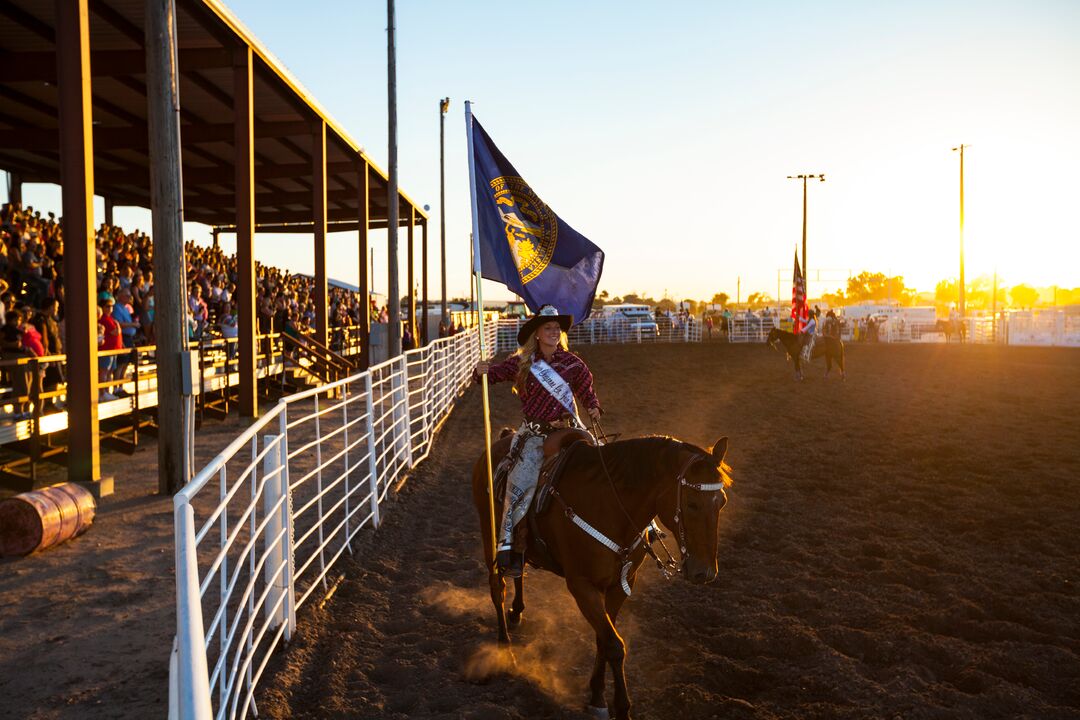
[
  {"x": 680, "y": 483},
  {"x": 667, "y": 569}
]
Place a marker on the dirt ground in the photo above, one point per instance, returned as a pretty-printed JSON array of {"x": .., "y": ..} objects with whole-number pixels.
[{"x": 900, "y": 545}]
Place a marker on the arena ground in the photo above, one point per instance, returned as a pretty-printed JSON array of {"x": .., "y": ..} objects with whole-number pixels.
[{"x": 900, "y": 545}]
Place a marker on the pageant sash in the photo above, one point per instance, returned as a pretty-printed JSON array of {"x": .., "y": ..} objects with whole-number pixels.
[{"x": 555, "y": 384}]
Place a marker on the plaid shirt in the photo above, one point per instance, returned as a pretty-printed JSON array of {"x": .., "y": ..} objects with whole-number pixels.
[{"x": 536, "y": 402}]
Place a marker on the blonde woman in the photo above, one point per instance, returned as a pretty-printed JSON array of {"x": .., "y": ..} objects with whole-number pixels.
[{"x": 547, "y": 378}]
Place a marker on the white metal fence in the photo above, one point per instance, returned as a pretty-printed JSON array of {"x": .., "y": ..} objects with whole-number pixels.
[
  {"x": 603, "y": 330},
  {"x": 1041, "y": 327},
  {"x": 259, "y": 529}
]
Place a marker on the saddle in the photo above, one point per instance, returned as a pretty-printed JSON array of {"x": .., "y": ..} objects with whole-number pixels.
[{"x": 559, "y": 447}]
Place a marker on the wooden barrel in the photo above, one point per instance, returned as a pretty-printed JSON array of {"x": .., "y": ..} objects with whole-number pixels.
[{"x": 39, "y": 519}]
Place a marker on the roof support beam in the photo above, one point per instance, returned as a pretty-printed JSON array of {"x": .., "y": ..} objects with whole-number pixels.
[
  {"x": 244, "y": 201},
  {"x": 363, "y": 220},
  {"x": 41, "y": 66},
  {"x": 318, "y": 217},
  {"x": 134, "y": 137},
  {"x": 423, "y": 283},
  {"x": 80, "y": 269},
  {"x": 411, "y": 290}
]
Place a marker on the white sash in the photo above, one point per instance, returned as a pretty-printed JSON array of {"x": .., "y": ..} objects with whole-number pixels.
[{"x": 555, "y": 384}]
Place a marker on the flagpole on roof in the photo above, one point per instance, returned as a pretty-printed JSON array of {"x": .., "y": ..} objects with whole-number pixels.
[{"x": 480, "y": 314}]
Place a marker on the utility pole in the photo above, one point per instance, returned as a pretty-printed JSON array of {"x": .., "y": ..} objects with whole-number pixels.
[
  {"x": 993, "y": 311},
  {"x": 444, "y": 106},
  {"x": 961, "y": 298},
  {"x": 393, "y": 291},
  {"x": 804, "y": 178},
  {"x": 738, "y": 290},
  {"x": 175, "y": 403}
]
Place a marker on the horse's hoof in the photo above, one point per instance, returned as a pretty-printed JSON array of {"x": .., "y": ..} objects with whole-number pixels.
[
  {"x": 597, "y": 712},
  {"x": 514, "y": 619}
]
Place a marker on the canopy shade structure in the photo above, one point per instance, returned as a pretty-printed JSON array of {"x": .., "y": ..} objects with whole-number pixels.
[
  {"x": 256, "y": 153},
  {"x": 211, "y": 42}
]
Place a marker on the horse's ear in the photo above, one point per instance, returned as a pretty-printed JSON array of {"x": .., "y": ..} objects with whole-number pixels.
[{"x": 719, "y": 450}]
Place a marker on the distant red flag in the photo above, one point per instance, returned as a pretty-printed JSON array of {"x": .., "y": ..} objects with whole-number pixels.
[{"x": 799, "y": 313}]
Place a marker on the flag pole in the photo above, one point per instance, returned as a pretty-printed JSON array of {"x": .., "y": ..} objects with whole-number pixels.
[{"x": 480, "y": 314}]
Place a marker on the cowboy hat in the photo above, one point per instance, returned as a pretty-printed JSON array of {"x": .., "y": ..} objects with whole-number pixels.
[{"x": 547, "y": 313}]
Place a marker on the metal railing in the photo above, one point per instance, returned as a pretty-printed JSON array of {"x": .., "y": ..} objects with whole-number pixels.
[
  {"x": 595, "y": 331},
  {"x": 259, "y": 529}
]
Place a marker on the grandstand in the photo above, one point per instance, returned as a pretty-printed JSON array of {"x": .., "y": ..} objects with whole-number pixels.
[{"x": 258, "y": 154}]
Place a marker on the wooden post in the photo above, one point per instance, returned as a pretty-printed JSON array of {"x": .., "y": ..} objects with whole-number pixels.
[
  {"x": 318, "y": 217},
  {"x": 423, "y": 283},
  {"x": 412, "y": 274},
  {"x": 80, "y": 268},
  {"x": 108, "y": 212},
  {"x": 363, "y": 220},
  {"x": 175, "y": 415},
  {"x": 244, "y": 299}
]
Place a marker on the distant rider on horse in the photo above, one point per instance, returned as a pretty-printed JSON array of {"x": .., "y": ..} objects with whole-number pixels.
[
  {"x": 807, "y": 336},
  {"x": 546, "y": 377}
]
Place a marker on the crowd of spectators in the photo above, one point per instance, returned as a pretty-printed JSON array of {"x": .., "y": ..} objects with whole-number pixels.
[{"x": 32, "y": 295}]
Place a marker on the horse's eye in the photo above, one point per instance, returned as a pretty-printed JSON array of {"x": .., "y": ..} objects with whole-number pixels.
[{"x": 692, "y": 505}]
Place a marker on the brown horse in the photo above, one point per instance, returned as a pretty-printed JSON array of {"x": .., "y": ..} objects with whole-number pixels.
[
  {"x": 831, "y": 347},
  {"x": 614, "y": 492},
  {"x": 951, "y": 327}
]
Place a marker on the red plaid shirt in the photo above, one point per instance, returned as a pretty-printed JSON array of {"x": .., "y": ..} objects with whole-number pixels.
[{"x": 536, "y": 402}]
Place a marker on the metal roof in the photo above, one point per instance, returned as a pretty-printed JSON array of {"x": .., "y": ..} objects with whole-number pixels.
[{"x": 208, "y": 36}]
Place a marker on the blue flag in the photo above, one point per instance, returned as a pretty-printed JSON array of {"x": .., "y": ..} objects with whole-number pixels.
[{"x": 523, "y": 244}]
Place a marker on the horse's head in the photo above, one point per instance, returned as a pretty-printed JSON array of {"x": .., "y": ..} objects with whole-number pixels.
[
  {"x": 774, "y": 338},
  {"x": 692, "y": 511}
]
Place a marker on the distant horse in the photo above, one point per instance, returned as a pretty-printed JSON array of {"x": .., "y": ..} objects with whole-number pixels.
[
  {"x": 612, "y": 492},
  {"x": 832, "y": 348},
  {"x": 951, "y": 327}
]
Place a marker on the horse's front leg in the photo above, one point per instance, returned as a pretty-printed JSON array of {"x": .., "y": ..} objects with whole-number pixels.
[
  {"x": 517, "y": 608},
  {"x": 597, "y": 704},
  {"x": 498, "y": 595},
  {"x": 610, "y": 647},
  {"x": 613, "y": 602}
]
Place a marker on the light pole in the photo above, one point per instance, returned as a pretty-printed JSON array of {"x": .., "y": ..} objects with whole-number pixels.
[
  {"x": 444, "y": 106},
  {"x": 804, "y": 178},
  {"x": 393, "y": 291},
  {"x": 960, "y": 148}
]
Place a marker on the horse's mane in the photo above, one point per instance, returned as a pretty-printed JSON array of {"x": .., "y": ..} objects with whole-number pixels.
[{"x": 635, "y": 460}]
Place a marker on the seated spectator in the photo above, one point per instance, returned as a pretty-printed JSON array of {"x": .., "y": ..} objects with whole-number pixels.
[{"x": 229, "y": 327}]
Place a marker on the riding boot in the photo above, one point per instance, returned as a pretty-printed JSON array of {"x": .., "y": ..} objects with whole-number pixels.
[{"x": 510, "y": 563}]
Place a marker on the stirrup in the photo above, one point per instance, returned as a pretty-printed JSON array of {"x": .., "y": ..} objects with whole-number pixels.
[{"x": 510, "y": 564}]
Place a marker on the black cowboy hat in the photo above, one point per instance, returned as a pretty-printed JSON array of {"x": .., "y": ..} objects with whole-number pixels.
[{"x": 547, "y": 313}]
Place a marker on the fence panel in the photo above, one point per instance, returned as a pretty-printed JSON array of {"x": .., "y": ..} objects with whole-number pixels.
[{"x": 259, "y": 530}]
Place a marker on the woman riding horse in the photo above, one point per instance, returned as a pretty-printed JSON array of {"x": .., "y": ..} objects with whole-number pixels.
[
  {"x": 595, "y": 533},
  {"x": 546, "y": 377},
  {"x": 831, "y": 347}
]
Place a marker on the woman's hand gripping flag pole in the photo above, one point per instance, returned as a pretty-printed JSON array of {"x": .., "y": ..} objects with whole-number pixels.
[{"x": 475, "y": 238}]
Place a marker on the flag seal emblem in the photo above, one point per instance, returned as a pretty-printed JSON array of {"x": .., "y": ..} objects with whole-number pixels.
[{"x": 531, "y": 227}]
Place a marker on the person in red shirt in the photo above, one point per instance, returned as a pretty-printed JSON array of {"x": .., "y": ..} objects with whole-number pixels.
[
  {"x": 111, "y": 339},
  {"x": 547, "y": 378},
  {"x": 31, "y": 339}
]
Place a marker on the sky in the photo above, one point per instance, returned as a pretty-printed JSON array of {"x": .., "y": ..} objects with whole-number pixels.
[{"x": 664, "y": 132}]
